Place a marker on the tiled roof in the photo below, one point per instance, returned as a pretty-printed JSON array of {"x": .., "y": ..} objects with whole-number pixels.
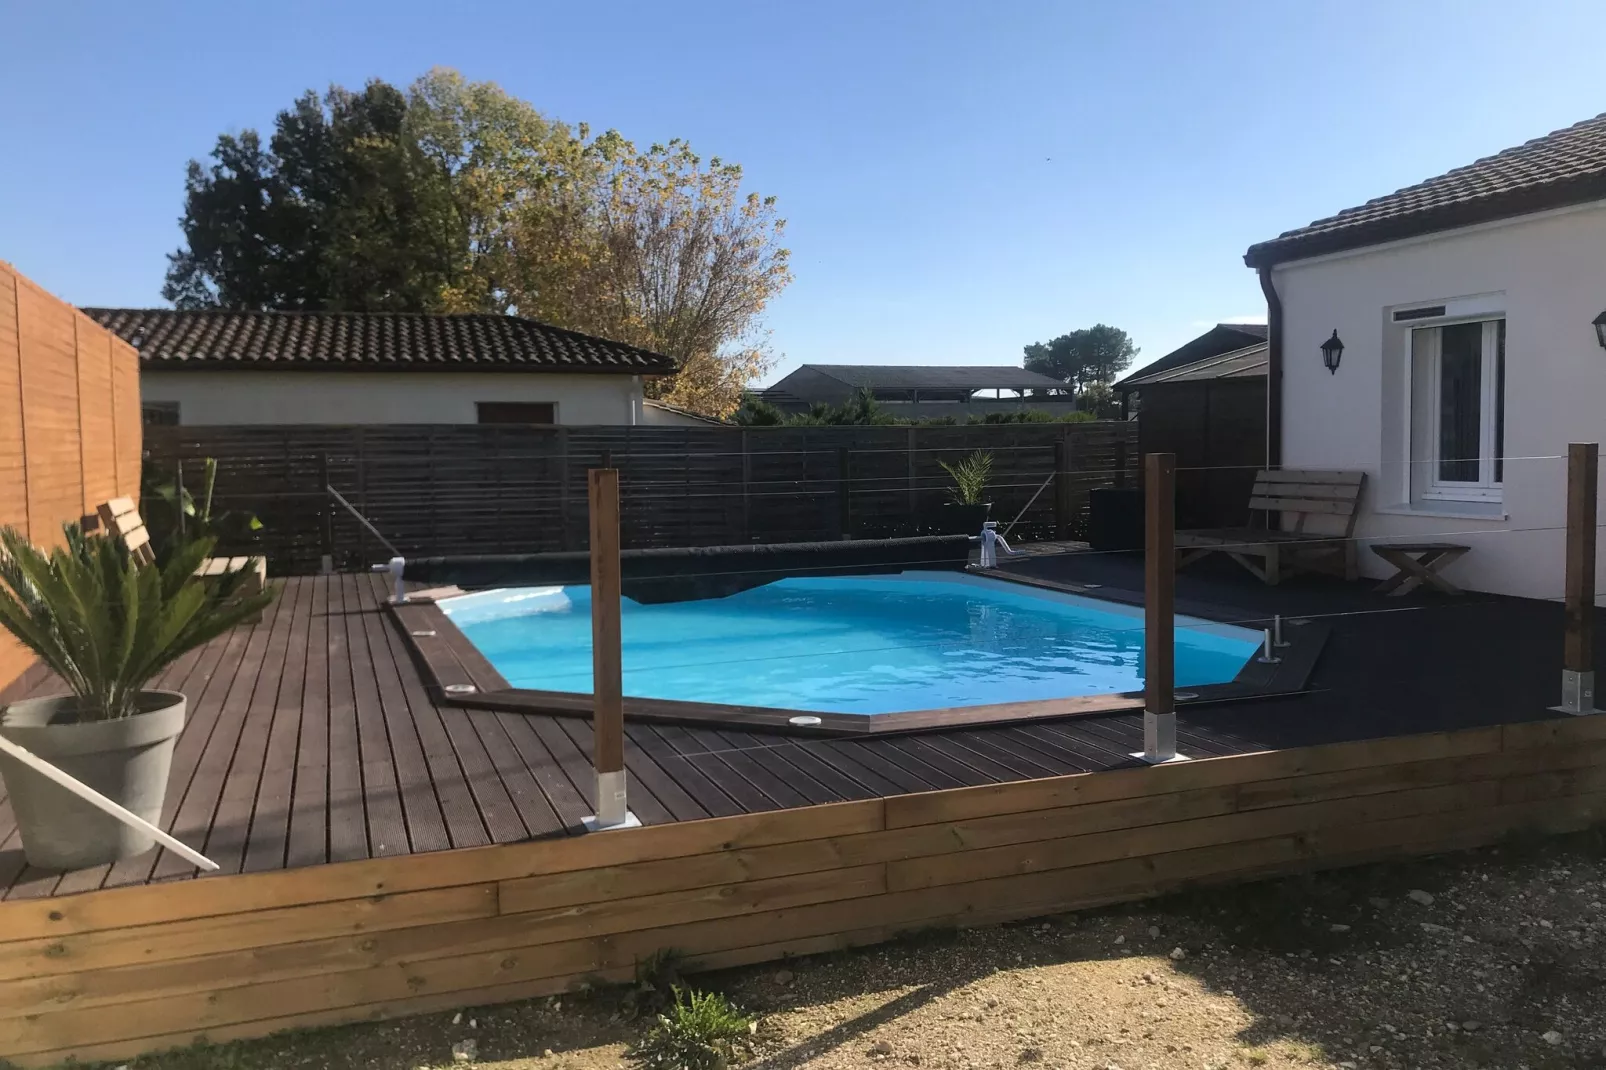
[
  {"x": 1563, "y": 168},
  {"x": 378, "y": 341}
]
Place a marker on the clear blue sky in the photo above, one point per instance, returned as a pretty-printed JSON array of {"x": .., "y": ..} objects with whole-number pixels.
[{"x": 960, "y": 179}]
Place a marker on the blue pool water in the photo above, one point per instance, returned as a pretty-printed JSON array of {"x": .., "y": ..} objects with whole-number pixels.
[{"x": 878, "y": 644}]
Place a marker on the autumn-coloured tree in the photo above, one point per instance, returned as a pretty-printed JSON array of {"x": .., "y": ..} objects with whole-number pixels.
[
  {"x": 496, "y": 155},
  {"x": 662, "y": 250},
  {"x": 456, "y": 197}
]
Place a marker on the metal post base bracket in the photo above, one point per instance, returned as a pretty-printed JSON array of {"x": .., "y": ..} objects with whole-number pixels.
[
  {"x": 611, "y": 812},
  {"x": 1577, "y": 693},
  {"x": 594, "y": 824},
  {"x": 1159, "y": 740}
]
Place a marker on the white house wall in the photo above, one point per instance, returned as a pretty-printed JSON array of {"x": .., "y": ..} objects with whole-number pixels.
[
  {"x": 281, "y": 397},
  {"x": 1548, "y": 273}
]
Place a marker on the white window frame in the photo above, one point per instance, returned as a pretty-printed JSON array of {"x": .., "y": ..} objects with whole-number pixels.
[{"x": 1486, "y": 488}]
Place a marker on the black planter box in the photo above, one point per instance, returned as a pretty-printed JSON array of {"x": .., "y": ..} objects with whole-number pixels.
[
  {"x": 954, "y": 519},
  {"x": 1115, "y": 518}
]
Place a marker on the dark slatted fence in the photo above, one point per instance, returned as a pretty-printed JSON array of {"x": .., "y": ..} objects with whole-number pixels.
[{"x": 450, "y": 489}]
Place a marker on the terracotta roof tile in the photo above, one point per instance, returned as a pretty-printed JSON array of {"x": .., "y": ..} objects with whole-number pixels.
[
  {"x": 1562, "y": 168},
  {"x": 380, "y": 341}
]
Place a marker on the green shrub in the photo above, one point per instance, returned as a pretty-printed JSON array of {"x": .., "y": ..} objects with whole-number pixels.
[
  {"x": 108, "y": 625},
  {"x": 754, "y": 411},
  {"x": 700, "y": 1031},
  {"x": 1031, "y": 416},
  {"x": 175, "y": 517}
]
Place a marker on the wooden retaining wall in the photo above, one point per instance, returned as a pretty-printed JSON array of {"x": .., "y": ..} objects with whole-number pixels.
[
  {"x": 464, "y": 489},
  {"x": 69, "y": 422},
  {"x": 110, "y": 974}
]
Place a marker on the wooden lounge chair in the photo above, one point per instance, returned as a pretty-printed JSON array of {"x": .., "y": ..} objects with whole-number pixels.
[
  {"x": 1322, "y": 499},
  {"x": 120, "y": 517}
]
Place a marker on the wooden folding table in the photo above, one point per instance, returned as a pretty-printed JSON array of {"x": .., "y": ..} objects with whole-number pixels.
[{"x": 1417, "y": 563}]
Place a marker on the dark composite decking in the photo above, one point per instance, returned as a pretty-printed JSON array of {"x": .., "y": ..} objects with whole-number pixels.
[{"x": 311, "y": 737}]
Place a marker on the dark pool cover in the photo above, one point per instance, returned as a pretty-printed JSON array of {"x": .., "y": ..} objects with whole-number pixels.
[{"x": 683, "y": 575}]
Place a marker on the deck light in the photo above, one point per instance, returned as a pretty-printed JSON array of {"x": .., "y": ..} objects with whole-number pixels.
[
  {"x": 1333, "y": 351},
  {"x": 1600, "y": 329}
]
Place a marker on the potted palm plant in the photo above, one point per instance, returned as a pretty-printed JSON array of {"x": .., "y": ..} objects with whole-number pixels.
[
  {"x": 967, "y": 508},
  {"x": 106, "y": 625}
]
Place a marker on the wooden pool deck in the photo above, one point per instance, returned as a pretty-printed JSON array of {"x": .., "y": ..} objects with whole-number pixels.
[
  {"x": 384, "y": 854},
  {"x": 312, "y": 738}
]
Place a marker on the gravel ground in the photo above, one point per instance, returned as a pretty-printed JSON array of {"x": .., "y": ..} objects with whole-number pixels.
[{"x": 1491, "y": 959}]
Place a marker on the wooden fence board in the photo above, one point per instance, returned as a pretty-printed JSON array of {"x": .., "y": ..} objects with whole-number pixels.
[
  {"x": 50, "y": 405},
  {"x": 96, "y": 414},
  {"x": 1023, "y": 796},
  {"x": 328, "y": 944},
  {"x": 61, "y": 451},
  {"x": 444, "y": 489},
  {"x": 263, "y": 928},
  {"x": 238, "y": 894}
]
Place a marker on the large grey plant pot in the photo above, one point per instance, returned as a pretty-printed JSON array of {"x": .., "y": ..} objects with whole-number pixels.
[{"x": 125, "y": 760}]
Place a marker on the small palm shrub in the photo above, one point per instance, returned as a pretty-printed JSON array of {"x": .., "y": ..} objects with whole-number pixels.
[
  {"x": 970, "y": 477},
  {"x": 700, "y": 1031},
  {"x": 174, "y": 516},
  {"x": 106, "y": 624}
]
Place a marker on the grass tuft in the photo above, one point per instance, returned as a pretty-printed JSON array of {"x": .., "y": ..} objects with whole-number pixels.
[{"x": 700, "y": 1031}]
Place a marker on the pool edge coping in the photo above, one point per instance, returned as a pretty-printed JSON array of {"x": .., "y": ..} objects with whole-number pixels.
[{"x": 457, "y": 674}]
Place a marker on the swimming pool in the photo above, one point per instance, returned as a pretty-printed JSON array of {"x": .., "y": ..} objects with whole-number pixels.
[{"x": 850, "y": 645}]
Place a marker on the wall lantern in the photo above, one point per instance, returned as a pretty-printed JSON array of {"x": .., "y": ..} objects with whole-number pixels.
[
  {"x": 1333, "y": 351},
  {"x": 1600, "y": 329}
]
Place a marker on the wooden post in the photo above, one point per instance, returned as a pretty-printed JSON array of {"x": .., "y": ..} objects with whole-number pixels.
[
  {"x": 1159, "y": 617},
  {"x": 747, "y": 487},
  {"x": 844, "y": 504},
  {"x": 326, "y": 513},
  {"x": 1062, "y": 488},
  {"x": 1578, "y": 645},
  {"x": 916, "y": 521},
  {"x": 362, "y": 501},
  {"x": 561, "y": 465},
  {"x": 607, "y": 669}
]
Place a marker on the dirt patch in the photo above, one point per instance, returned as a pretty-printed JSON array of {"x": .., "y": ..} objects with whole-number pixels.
[{"x": 1490, "y": 959}]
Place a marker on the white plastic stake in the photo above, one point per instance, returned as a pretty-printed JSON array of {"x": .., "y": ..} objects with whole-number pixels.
[{"x": 100, "y": 802}]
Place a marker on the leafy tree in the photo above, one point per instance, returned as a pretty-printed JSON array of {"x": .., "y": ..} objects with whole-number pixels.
[
  {"x": 499, "y": 158},
  {"x": 454, "y": 196},
  {"x": 663, "y": 251},
  {"x": 342, "y": 211},
  {"x": 754, "y": 411},
  {"x": 1096, "y": 354}
]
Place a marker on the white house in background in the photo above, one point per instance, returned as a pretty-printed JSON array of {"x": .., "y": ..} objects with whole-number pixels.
[
  {"x": 1467, "y": 309},
  {"x": 220, "y": 367}
]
